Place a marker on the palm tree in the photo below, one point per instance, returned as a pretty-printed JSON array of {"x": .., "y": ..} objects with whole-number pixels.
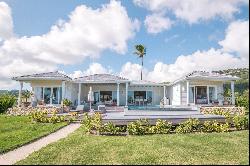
[{"x": 140, "y": 51}]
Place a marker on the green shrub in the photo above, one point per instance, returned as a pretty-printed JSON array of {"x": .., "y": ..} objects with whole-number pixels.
[
  {"x": 6, "y": 101},
  {"x": 97, "y": 122},
  {"x": 214, "y": 126},
  {"x": 67, "y": 102},
  {"x": 161, "y": 127},
  {"x": 42, "y": 117},
  {"x": 112, "y": 129},
  {"x": 224, "y": 127},
  {"x": 207, "y": 126},
  {"x": 139, "y": 127},
  {"x": 87, "y": 123},
  {"x": 240, "y": 122},
  {"x": 188, "y": 126},
  {"x": 243, "y": 100}
]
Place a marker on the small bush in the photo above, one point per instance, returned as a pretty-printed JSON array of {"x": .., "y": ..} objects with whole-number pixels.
[
  {"x": 161, "y": 127},
  {"x": 87, "y": 123},
  {"x": 67, "y": 102},
  {"x": 139, "y": 127},
  {"x": 6, "y": 101},
  {"x": 112, "y": 129},
  {"x": 240, "y": 122},
  {"x": 243, "y": 100},
  {"x": 191, "y": 125},
  {"x": 97, "y": 122},
  {"x": 214, "y": 126},
  {"x": 42, "y": 117}
]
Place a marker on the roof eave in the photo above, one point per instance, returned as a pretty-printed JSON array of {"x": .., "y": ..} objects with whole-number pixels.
[
  {"x": 39, "y": 78},
  {"x": 101, "y": 82}
]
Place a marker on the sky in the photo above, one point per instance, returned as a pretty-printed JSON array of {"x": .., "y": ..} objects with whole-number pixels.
[{"x": 83, "y": 37}]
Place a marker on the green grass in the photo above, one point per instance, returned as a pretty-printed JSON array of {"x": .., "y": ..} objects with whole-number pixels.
[
  {"x": 198, "y": 148},
  {"x": 19, "y": 130}
]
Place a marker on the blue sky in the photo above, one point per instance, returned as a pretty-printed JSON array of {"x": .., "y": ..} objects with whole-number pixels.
[{"x": 35, "y": 18}]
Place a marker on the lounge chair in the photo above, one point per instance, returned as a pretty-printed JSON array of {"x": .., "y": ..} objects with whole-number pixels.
[
  {"x": 101, "y": 109},
  {"x": 79, "y": 109}
]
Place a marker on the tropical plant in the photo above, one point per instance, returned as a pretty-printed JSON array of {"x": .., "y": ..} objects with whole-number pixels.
[
  {"x": 243, "y": 100},
  {"x": 112, "y": 129},
  {"x": 140, "y": 51},
  {"x": 67, "y": 102},
  {"x": 191, "y": 125},
  {"x": 26, "y": 95},
  {"x": 240, "y": 122},
  {"x": 97, "y": 122},
  {"x": 6, "y": 101},
  {"x": 139, "y": 127},
  {"x": 87, "y": 123},
  {"x": 161, "y": 127}
]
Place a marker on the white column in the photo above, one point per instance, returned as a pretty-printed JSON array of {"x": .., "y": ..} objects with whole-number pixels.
[
  {"x": 20, "y": 94},
  {"x": 126, "y": 93},
  {"x": 118, "y": 94},
  {"x": 208, "y": 99},
  {"x": 79, "y": 93},
  {"x": 187, "y": 92},
  {"x": 51, "y": 94},
  {"x": 63, "y": 89},
  {"x": 164, "y": 95},
  {"x": 232, "y": 93}
]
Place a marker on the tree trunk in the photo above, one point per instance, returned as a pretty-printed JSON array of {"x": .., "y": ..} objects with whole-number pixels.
[{"x": 141, "y": 66}]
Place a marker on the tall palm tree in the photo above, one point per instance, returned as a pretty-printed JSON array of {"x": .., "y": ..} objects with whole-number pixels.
[{"x": 140, "y": 51}]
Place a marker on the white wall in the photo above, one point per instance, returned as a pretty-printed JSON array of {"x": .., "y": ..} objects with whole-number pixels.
[{"x": 176, "y": 99}]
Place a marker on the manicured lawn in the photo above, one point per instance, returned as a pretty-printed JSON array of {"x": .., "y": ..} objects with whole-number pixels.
[
  {"x": 16, "y": 131},
  {"x": 199, "y": 148}
]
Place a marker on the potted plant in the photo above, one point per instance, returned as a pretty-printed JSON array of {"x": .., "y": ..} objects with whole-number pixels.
[
  {"x": 26, "y": 95},
  {"x": 66, "y": 105},
  {"x": 226, "y": 95}
]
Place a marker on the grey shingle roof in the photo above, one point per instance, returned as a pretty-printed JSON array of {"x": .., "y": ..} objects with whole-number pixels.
[
  {"x": 44, "y": 76},
  {"x": 212, "y": 75},
  {"x": 101, "y": 78},
  {"x": 205, "y": 75},
  {"x": 145, "y": 82}
]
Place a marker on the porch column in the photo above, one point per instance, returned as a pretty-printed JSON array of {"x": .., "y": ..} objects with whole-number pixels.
[
  {"x": 187, "y": 92},
  {"x": 63, "y": 89},
  {"x": 208, "y": 99},
  {"x": 126, "y": 94},
  {"x": 118, "y": 94},
  {"x": 232, "y": 93},
  {"x": 51, "y": 95},
  {"x": 79, "y": 93},
  {"x": 164, "y": 95},
  {"x": 20, "y": 94}
]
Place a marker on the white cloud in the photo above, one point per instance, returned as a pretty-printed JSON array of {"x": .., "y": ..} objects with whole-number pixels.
[
  {"x": 237, "y": 39},
  {"x": 87, "y": 33},
  {"x": 132, "y": 71},
  {"x": 157, "y": 23},
  {"x": 193, "y": 11},
  {"x": 94, "y": 68},
  {"x": 6, "y": 23},
  {"x": 209, "y": 60}
]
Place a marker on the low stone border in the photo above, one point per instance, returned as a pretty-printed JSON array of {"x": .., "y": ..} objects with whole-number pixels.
[
  {"x": 23, "y": 111},
  {"x": 231, "y": 110}
]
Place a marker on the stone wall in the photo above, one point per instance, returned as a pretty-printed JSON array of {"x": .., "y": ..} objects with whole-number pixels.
[{"x": 231, "y": 110}]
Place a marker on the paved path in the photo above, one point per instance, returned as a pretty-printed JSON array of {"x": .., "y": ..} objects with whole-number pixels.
[{"x": 21, "y": 153}]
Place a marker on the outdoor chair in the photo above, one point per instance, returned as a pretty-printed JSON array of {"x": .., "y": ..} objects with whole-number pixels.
[{"x": 79, "y": 108}]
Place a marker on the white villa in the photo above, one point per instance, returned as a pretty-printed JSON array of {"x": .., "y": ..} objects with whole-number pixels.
[{"x": 196, "y": 88}]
